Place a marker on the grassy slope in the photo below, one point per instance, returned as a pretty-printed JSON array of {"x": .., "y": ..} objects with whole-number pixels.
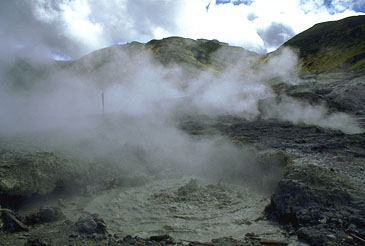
[
  {"x": 199, "y": 53},
  {"x": 332, "y": 45},
  {"x": 192, "y": 55}
]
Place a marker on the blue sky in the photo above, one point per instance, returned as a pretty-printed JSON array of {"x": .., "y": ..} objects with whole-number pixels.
[
  {"x": 356, "y": 5},
  {"x": 70, "y": 28},
  {"x": 235, "y": 2}
]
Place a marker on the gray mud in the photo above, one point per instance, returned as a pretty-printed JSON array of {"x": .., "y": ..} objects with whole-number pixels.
[
  {"x": 186, "y": 208},
  {"x": 190, "y": 209}
]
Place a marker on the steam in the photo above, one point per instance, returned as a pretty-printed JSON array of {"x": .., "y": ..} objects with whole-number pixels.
[
  {"x": 58, "y": 108},
  {"x": 299, "y": 112},
  {"x": 227, "y": 95}
]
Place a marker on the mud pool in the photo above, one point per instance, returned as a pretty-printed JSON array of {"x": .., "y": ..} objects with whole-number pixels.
[{"x": 186, "y": 208}]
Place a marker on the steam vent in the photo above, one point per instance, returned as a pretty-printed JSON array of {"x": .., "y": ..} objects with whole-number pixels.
[{"x": 180, "y": 141}]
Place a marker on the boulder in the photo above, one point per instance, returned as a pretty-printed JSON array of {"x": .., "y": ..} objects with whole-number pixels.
[
  {"x": 91, "y": 223},
  {"x": 36, "y": 242},
  {"x": 23, "y": 175},
  {"x": 45, "y": 215},
  {"x": 319, "y": 204}
]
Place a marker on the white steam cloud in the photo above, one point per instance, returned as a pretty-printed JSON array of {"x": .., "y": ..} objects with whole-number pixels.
[
  {"x": 58, "y": 108},
  {"x": 298, "y": 112},
  {"x": 138, "y": 86}
]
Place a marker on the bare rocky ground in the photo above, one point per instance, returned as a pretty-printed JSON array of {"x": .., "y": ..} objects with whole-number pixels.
[{"x": 319, "y": 195}]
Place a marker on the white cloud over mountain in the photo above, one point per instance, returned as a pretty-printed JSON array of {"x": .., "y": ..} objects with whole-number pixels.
[{"x": 74, "y": 28}]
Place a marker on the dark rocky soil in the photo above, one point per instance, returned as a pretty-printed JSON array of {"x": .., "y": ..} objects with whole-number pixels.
[{"x": 321, "y": 195}]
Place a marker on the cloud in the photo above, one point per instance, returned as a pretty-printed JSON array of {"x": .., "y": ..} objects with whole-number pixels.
[
  {"x": 68, "y": 28},
  {"x": 227, "y": 23},
  {"x": 335, "y": 6},
  {"x": 75, "y": 28},
  {"x": 23, "y": 34},
  {"x": 138, "y": 20},
  {"x": 299, "y": 15},
  {"x": 79, "y": 26},
  {"x": 275, "y": 35}
]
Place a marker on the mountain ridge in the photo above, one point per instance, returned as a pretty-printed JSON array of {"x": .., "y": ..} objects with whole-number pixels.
[
  {"x": 191, "y": 55},
  {"x": 325, "y": 47},
  {"x": 332, "y": 45}
]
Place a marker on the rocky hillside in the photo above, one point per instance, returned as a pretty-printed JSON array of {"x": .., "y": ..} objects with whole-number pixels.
[
  {"x": 193, "y": 56},
  {"x": 200, "y": 53},
  {"x": 332, "y": 45},
  {"x": 325, "y": 47}
]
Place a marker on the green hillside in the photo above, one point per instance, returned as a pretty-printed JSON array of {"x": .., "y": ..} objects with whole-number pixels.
[
  {"x": 199, "y": 53},
  {"x": 332, "y": 45},
  {"x": 192, "y": 55}
]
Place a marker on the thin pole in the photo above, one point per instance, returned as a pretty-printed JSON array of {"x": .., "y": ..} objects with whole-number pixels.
[{"x": 102, "y": 101}]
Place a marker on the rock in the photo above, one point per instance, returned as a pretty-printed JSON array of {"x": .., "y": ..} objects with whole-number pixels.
[
  {"x": 36, "y": 242},
  {"x": 319, "y": 204},
  {"x": 270, "y": 167},
  {"x": 162, "y": 238},
  {"x": 86, "y": 225},
  {"x": 44, "y": 215},
  {"x": 312, "y": 235},
  {"x": 90, "y": 224},
  {"x": 73, "y": 235},
  {"x": 32, "y": 174},
  {"x": 352, "y": 229},
  {"x": 50, "y": 214},
  {"x": 229, "y": 241},
  {"x": 328, "y": 146},
  {"x": 190, "y": 187},
  {"x": 324, "y": 91}
]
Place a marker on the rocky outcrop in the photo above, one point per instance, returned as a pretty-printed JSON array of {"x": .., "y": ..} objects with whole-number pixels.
[
  {"x": 45, "y": 215},
  {"x": 23, "y": 175},
  {"x": 322, "y": 207},
  {"x": 340, "y": 92},
  {"x": 91, "y": 223}
]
